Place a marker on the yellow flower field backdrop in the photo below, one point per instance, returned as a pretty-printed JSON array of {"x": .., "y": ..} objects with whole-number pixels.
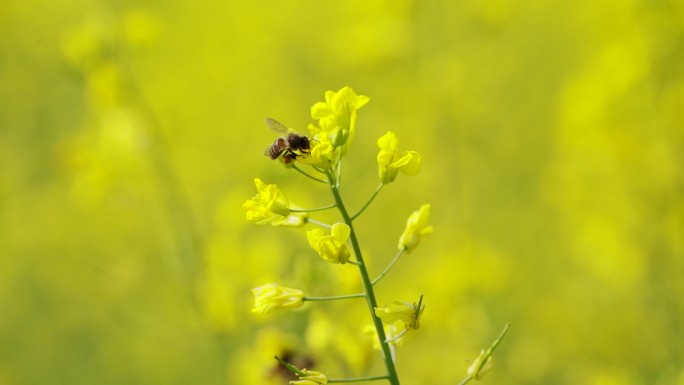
[{"x": 552, "y": 142}]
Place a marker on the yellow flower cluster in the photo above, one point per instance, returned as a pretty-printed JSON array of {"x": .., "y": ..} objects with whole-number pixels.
[
  {"x": 323, "y": 150},
  {"x": 337, "y": 116},
  {"x": 332, "y": 136}
]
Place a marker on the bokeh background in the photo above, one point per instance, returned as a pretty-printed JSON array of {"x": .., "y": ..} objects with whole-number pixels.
[{"x": 551, "y": 134}]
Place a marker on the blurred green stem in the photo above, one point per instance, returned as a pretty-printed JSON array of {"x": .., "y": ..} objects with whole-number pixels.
[
  {"x": 365, "y": 278},
  {"x": 189, "y": 241}
]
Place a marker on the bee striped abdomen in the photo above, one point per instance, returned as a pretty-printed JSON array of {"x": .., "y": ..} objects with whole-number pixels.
[
  {"x": 277, "y": 148},
  {"x": 289, "y": 146}
]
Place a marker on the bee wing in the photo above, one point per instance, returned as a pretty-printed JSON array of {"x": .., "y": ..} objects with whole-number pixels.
[{"x": 276, "y": 126}]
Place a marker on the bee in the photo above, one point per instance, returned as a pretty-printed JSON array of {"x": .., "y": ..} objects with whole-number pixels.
[{"x": 290, "y": 144}]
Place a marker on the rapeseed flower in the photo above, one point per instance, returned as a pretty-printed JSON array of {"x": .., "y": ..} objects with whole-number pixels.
[
  {"x": 267, "y": 206},
  {"x": 337, "y": 116},
  {"x": 391, "y": 160},
  {"x": 333, "y": 247}
]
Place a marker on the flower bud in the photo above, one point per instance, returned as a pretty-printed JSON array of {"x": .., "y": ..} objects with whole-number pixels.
[
  {"x": 416, "y": 227},
  {"x": 271, "y": 296},
  {"x": 310, "y": 377},
  {"x": 481, "y": 366}
]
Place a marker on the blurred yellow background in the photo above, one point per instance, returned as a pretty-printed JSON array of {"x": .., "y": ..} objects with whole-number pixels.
[{"x": 552, "y": 138}]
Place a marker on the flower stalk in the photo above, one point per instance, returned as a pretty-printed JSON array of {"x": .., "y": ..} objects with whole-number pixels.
[
  {"x": 333, "y": 297},
  {"x": 389, "y": 266},
  {"x": 370, "y": 200},
  {"x": 360, "y": 379},
  {"x": 314, "y": 209},
  {"x": 306, "y": 174},
  {"x": 367, "y": 284},
  {"x": 323, "y": 153},
  {"x": 483, "y": 363}
]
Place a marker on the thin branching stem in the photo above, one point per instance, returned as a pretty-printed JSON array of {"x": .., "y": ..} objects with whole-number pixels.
[
  {"x": 397, "y": 336},
  {"x": 375, "y": 193},
  {"x": 317, "y": 223},
  {"x": 360, "y": 379},
  {"x": 387, "y": 269},
  {"x": 321, "y": 170},
  {"x": 289, "y": 366},
  {"x": 474, "y": 371},
  {"x": 306, "y": 174},
  {"x": 335, "y": 297},
  {"x": 338, "y": 171},
  {"x": 312, "y": 210}
]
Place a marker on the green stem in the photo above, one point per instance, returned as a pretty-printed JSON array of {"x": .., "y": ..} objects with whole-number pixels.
[
  {"x": 373, "y": 378},
  {"x": 398, "y": 336},
  {"x": 367, "y": 285},
  {"x": 317, "y": 223},
  {"x": 492, "y": 348},
  {"x": 306, "y": 174},
  {"x": 322, "y": 171},
  {"x": 334, "y": 297},
  {"x": 338, "y": 171},
  {"x": 485, "y": 357},
  {"x": 289, "y": 366},
  {"x": 387, "y": 269},
  {"x": 312, "y": 210},
  {"x": 375, "y": 193}
]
